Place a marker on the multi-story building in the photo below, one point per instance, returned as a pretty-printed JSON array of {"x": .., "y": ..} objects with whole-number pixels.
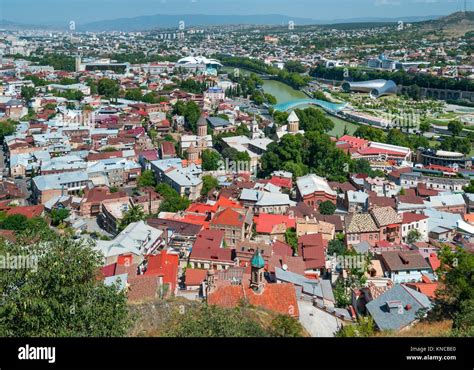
[
  {"x": 443, "y": 158},
  {"x": 185, "y": 180},
  {"x": 379, "y": 224},
  {"x": 412, "y": 179},
  {"x": 313, "y": 190},
  {"x": 235, "y": 222},
  {"x": 49, "y": 186}
]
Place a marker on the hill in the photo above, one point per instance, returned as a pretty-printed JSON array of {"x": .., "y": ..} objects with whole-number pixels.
[{"x": 455, "y": 25}]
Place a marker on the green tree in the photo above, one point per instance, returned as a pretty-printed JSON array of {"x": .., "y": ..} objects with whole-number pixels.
[
  {"x": 425, "y": 126},
  {"x": 214, "y": 321},
  {"x": 292, "y": 239},
  {"x": 172, "y": 202},
  {"x": 28, "y": 93},
  {"x": 108, "y": 88},
  {"x": 15, "y": 222},
  {"x": 62, "y": 296},
  {"x": 370, "y": 133},
  {"x": 456, "y": 144},
  {"x": 134, "y": 94},
  {"x": 7, "y": 128},
  {"x": 337, "y": 247},
  {"x": 134, "y": 214},
  {"x": 58, "y": 215},
  {"x": 147, "y": 178},
  {"x": 455, "y": 127},
  {"x": 295, "y": 66},
  {"x": 396, "y": 137},
  {"x": 464, "y": 319},
  {"x": 413, "y": 236},
  {"x": 342, "y": 294},
  {"x": 469, "y": 188},
  {"x": 208, "y": 183},
  {"x": 191, "y": 113},
  {"x": 327, "y": 208},
  {"x": 285, "y": 326},
  {"x": 457, "y": 290},
  {"x": 365, "y": 327},
  {"x": 210, "y": 160}
]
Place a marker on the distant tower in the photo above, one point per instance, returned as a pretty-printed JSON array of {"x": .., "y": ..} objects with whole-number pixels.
[
  {"x": 193, "y": 153},
  {"x": 254, "y": 128},
  {"x": 257, "y": 280},
  {"x": 78, "y": 63},
  {"x": 210, "y": 282},
  {"x": 293, "y": 123},
  {"x": 202, "y": 127}
]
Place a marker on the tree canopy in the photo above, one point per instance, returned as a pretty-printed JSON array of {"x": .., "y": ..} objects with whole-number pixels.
[{"x": 61, "y": 296}]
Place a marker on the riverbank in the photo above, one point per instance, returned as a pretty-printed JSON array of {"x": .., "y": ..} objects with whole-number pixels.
[{"x": 284, "y": 93}]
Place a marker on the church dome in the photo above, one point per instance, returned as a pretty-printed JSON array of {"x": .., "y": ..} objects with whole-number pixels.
[{"x": 257, "y": 260}]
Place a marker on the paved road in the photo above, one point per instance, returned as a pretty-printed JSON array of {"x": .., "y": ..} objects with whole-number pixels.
[{"x": 317, "y": 322}]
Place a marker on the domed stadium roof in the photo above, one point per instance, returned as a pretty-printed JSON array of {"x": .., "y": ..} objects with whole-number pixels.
[{"x": 199, "y": 60}]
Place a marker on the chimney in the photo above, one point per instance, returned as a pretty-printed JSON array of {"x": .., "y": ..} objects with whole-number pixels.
[{"x": 403, "y": 258}]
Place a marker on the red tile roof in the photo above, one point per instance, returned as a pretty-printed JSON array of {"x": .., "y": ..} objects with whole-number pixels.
[
  {"x": 424, "y": 192},
  {"x": 282, "y": 249},
  {"x": 164, "y": 264},
  {"x": 194, "y": 276},
  {"x": 150, "y": 155},
  {"x": 409, "y": 217},
  {"x": 354, "y": 141},
  {"x": 27, "y": 211},
  {"x": 434, "y": 261},
  {"x": 373, "y": 151},
  {"x": 428, "y": 289},
  {"x": 167, "y": 148},
  {"x": 281, "y": 182},
  {"x": 207, "y": 247},
  {"x": 142, "y": 287},
  {"x": 265, "y": 223},
  {"x": 279, "y": 298},
  {"x": 228, "y": 217}
]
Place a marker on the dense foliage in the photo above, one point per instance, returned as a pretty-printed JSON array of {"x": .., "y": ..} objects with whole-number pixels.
[
  {"x": 214, "y": 321},
  {"x": 172, "y": 201},
  {"x": 60, "y": 295}
]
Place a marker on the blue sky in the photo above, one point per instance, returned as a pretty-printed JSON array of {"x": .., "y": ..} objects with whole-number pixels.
[{"x": 81, "y": 11}]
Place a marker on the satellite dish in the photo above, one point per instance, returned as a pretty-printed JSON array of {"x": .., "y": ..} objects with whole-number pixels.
[{"x": 285, "y": 267}]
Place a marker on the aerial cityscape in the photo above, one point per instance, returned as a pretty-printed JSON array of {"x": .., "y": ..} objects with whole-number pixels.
[{"x": 183, "y": 169}]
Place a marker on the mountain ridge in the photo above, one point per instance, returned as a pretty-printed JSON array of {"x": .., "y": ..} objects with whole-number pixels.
[{"x": 166, "y": 21}]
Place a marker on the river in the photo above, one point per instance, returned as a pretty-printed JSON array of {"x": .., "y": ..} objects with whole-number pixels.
[{"x": 283, "y": 93}]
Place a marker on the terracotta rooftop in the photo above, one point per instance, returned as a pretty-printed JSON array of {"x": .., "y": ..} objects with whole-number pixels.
[{"x": 280, "y": 298}]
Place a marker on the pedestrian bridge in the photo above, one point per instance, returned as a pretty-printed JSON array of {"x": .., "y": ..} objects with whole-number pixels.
[{"x": 293, "y": 104}]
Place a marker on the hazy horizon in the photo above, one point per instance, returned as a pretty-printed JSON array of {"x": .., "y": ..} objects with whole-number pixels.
[{"x": 54, "y": 12}]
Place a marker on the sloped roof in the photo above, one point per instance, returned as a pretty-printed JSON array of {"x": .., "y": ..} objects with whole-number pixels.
[
  {"x": 360, "y": 223},
  {"x": 409, "y": 301},
  {"x": 384, "y": 216},
  {"x": 279, "y": 298}
]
